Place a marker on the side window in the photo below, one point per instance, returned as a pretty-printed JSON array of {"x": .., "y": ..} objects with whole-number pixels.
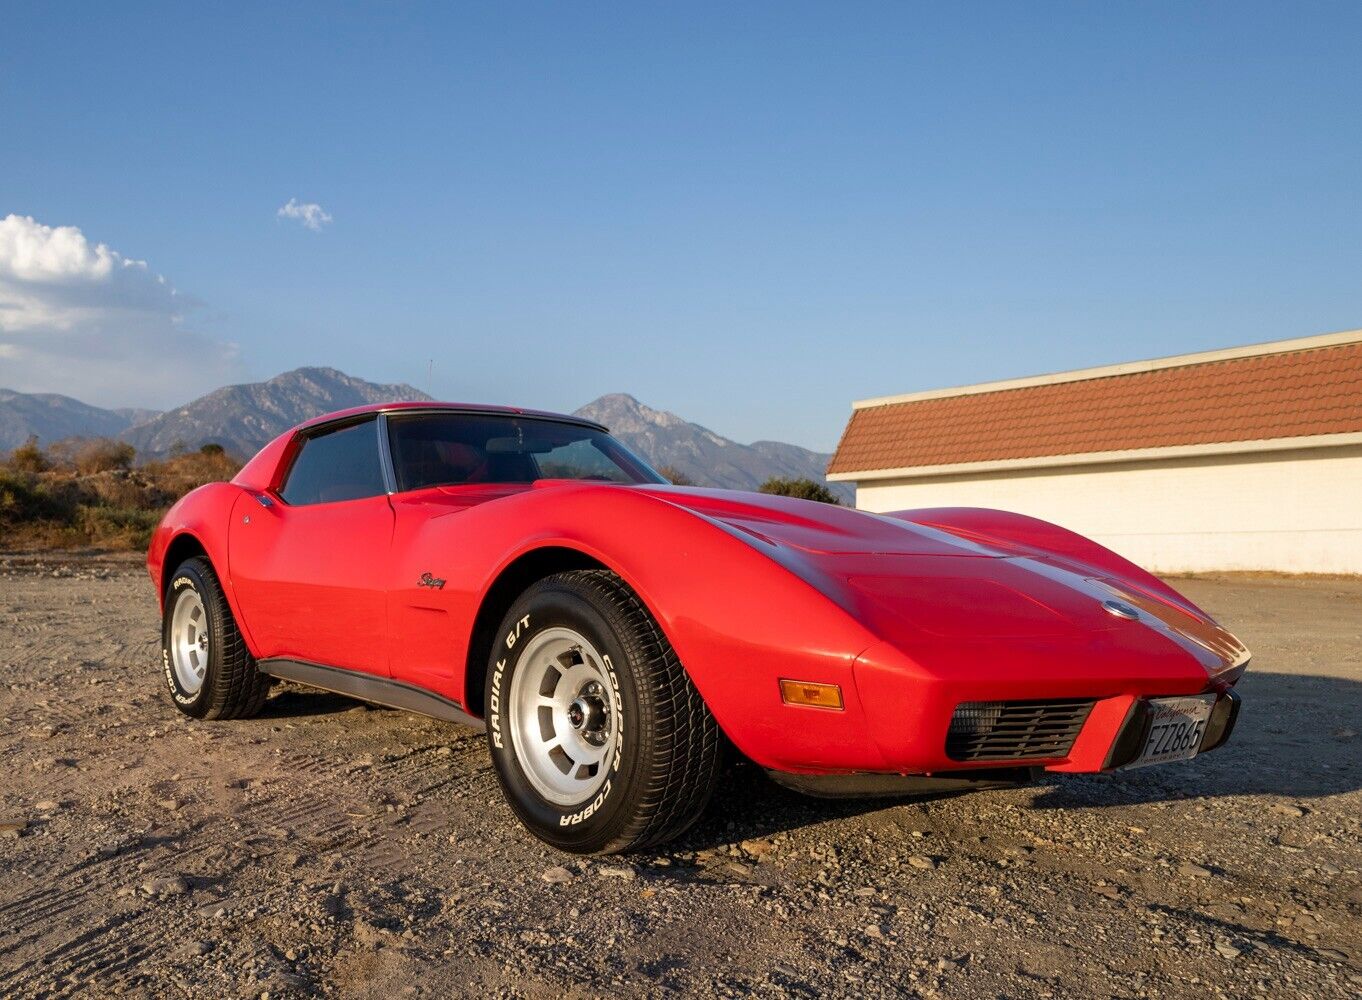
[{"x": 336, "y": 465}]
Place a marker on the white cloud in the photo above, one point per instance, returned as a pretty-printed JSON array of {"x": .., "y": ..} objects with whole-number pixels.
[
  {"x": 79, "y": 318},
  {"x": 309, "y": 213}
]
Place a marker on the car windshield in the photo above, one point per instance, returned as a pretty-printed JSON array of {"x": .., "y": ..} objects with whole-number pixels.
[{"x": 452, "y": 449}]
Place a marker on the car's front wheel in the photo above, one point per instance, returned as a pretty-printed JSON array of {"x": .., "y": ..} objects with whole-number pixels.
[
  {"x": 600, "y": 739},
  {"x": 209, "y": 673}
]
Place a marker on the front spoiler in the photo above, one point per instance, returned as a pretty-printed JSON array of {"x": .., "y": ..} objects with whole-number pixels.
[{"x": 863, "y": 785}]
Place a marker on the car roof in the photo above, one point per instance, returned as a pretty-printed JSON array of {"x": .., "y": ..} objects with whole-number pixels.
[
  {"x": 263, "y": 470},
  {"x": 428, "y": 406}
]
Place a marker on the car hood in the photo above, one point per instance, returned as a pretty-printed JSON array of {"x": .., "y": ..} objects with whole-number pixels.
[
  {"x": 820, "y": 529},
  {"x": 913, "y": 584}
]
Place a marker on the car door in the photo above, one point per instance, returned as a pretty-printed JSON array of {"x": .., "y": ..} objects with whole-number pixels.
[{"x": 308, "y": 563}]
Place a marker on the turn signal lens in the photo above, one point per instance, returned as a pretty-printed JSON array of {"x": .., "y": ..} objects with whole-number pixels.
[{"x": 810, "y": 694}]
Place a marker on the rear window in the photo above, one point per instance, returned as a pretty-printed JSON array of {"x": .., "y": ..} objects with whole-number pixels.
[{"x": 336, "y": 465}]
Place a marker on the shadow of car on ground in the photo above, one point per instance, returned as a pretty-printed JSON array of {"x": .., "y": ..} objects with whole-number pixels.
[{"x": 1298, "y": 736}]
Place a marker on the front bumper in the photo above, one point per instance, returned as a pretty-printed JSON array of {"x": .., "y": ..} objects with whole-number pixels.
[
  {"x": 909, "y": 709},
  {"x": 1102, "y": 745},
  {"x": 1133, "y": 734}
]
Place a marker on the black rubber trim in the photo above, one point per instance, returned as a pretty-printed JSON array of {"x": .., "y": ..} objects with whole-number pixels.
[
  {"x": 868, "y": 785},
  {"x": 1223, "y": 717},
  {"x": 367, "y": 687},
  {"x": 1130, "y": 738},
  {"x": 1134, "y": 732}
]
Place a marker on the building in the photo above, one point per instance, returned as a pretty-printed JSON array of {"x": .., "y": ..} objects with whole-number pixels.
[{"x": 1242, "y": 459}]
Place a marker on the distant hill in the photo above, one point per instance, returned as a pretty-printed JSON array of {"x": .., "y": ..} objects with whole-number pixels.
[
  {"x": 243, "y": 418},
  {"x": 136, "y": 415},
  {"x": 707, "y": 458},
  {"x": 51, "y": 417}
]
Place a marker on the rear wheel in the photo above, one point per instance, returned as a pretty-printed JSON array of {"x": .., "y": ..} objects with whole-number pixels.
[
  {"x": 209, "y": 673},
  {"x": 600, "y": 739}
]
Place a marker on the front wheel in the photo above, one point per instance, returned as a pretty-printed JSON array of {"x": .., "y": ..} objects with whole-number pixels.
[
  {"x": 600, "y": 739},
  {"x": 209, "y": 673}
]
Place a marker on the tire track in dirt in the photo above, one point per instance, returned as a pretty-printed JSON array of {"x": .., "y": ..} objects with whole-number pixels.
[{"x": 35, "y": 918}]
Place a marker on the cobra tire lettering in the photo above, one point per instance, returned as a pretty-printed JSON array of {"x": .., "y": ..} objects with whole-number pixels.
[
  {"x": 572, "y": 819},
  {"x": 617, "y": 705}
]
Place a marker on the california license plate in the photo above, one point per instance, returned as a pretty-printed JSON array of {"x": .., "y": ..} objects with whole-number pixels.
[{"x": 1175, "y": 729}]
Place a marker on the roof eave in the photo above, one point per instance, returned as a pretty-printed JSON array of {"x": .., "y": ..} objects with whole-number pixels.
[{"x": 1101, "y": 457}]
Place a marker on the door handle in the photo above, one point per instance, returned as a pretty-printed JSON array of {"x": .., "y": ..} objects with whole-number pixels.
[{"x": 263, "y": 500}]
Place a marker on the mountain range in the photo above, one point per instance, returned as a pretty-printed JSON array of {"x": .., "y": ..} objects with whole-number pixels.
[
  {"x": 706, "y": 458},
  {"x": 52, "y": 417},
  {"x": 242, "y": 418}
]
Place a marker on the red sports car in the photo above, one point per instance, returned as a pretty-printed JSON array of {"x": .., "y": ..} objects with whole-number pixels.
[{"x": 524, "y": 571}]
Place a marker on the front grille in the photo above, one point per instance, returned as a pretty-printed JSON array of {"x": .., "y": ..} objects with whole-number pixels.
[{"x": 1014, "y": 730}]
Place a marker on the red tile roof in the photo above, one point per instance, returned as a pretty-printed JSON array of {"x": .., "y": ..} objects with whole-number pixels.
[{"x": 1293, "y": 393}]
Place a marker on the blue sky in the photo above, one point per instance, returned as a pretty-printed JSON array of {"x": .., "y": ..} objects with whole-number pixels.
[{"x": 749, "y": 214}]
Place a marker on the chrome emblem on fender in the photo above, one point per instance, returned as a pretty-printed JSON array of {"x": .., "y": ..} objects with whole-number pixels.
[
  {"x": 1120, "y": 609},
  {"x": 434, "y": 582}
]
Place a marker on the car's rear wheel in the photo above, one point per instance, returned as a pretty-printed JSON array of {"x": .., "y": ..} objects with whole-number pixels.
[
  {"x": 600, "y": 739},
  {"x": 209, "y": 673}
]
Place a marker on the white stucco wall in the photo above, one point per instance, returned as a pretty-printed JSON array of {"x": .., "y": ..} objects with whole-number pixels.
[{"x": 1296, "y": 511}]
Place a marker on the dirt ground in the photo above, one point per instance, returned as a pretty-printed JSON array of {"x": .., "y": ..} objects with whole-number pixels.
[{"x": 329, "y": 848}]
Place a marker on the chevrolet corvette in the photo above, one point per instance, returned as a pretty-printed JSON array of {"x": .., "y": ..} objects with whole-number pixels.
[{"x": 524, "y": 572}]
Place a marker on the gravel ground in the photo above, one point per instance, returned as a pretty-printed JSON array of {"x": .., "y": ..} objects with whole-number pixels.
[{"x": 334, "y": 849}]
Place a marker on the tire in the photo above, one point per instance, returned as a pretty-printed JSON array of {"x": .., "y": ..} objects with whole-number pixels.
[
  {"x": 209, "y": 673},
  {"x": 581, "y": 651}
]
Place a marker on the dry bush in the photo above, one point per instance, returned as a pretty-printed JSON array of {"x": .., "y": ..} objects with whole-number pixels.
[
  {"x": 28, "y": 457},
  {"x": 104, "y": 455},
  {"x": 804, "y": 489},
  {"x": 181, "y": 473},
  {"x": 83, "y": 492},
  {"x": 675, "y": 476},
  {"x": 121, "y": 488},
  {"x": 117, "y": 527}
]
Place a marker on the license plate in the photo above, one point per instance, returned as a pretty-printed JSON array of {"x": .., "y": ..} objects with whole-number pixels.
[{"x": 1175, "y": 729}]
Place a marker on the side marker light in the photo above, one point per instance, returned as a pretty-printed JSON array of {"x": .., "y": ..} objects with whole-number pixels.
[{"x": 811, "y": 694}]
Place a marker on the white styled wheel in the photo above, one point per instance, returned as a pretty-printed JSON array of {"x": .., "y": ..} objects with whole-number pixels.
[
  {"x": 564, "y": 716},
  {"x": 189, "y": 640}
]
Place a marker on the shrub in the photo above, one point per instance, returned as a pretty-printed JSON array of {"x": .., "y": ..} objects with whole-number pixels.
[
  {"x": 125, "y": 489},
  {"x": 24, "y": 497},
  {"x": 19, "y": 499},
  {"x": 181, "y": 473},
  {"x": 804, "y": 489},
  {"x": 119, "y": 527},
  {"x": 28, "y": 457},
  {"x": 675, "y": 476},
  {"x": 104, "y": 455},
  {"x": 88, "y": 493}
]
